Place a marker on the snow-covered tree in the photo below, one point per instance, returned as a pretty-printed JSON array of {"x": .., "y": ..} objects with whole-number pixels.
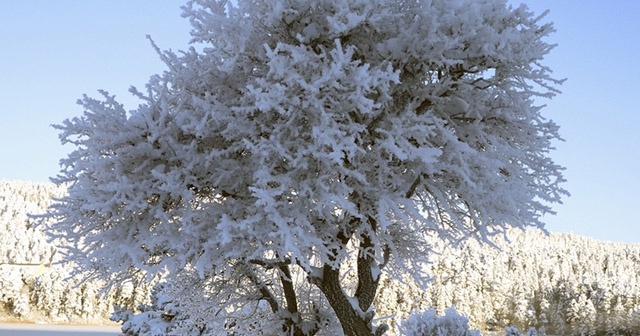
[
  {"x": 299, "y": 135},
  {"x": 20, "y": 241}
]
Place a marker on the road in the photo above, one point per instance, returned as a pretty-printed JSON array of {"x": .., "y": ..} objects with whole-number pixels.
[{"x": 56, "y": 330}]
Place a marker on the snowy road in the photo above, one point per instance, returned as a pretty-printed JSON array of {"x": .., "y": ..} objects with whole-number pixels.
[{"x": 55, "y": 330}]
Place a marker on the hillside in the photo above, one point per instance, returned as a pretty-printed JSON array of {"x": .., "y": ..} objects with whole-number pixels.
[{"x": 567, "y": 284}]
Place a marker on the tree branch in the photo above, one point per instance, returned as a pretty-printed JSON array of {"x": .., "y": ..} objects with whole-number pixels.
[
  {"x": 270, "y": 264},
  {"x": 412, "y": 188},
  {"x": 291, "y": 322},
  {"x": 289, "y": 291},
  {"x": 422, "y": 108},
  {"x": 264, "y": 291}
]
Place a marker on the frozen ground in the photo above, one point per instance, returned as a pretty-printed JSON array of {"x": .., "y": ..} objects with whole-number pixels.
[{"x": 56, "y": 330}]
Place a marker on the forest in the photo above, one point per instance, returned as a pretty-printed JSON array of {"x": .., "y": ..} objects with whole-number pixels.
[
  {"x": 32, "y": 286},
  {"x": 560, "y": 283}
]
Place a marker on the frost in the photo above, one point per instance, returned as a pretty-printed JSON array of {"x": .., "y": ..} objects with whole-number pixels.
[
  {"x": 457, "y": 105},
  {"x": 305, "y": 135},
  {"x": 375, "y": 272}
]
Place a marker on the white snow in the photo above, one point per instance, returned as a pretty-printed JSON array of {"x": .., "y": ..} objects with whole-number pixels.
[{"x": 56, "y": 330}]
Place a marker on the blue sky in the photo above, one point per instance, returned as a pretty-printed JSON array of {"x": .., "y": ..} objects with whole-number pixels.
[{"x": 52, "y": 52}]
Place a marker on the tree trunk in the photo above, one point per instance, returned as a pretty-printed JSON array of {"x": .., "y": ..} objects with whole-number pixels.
[
  {"x": 367, "y": 284},
  {"x": 352, "y": 323}
]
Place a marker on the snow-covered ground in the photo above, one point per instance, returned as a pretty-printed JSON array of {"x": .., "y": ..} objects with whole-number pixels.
[{"x": 56, "y": 330}]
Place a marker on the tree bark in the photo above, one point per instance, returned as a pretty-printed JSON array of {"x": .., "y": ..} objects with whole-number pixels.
[
  {"x": 367, "y": 283},
  {"x": 352, "y": 323}
]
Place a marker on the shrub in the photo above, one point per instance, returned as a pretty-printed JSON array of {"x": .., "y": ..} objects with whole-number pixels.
[{"x": 429, "y": 323}]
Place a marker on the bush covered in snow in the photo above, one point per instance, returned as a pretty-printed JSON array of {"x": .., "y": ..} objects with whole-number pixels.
[
  {"x": 429, "y": 323},
  {"x": 514, "y": 331}
]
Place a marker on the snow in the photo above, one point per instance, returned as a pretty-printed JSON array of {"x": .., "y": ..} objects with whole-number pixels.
[
  {"x": 353, "y": 301},
  {"x": 375, "y": 272},
  {"x": 56, "y": 330}
]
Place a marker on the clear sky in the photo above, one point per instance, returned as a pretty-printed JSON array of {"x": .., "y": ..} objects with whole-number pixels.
[{"x": 52, "y": 52}]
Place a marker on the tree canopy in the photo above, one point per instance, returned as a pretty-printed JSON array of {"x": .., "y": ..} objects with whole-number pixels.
[{"x": 297, "y": 136}]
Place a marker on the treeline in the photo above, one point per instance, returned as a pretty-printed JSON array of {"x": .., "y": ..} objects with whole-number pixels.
[
  {"x": 20, "y": 241},
  {"x": 32, "y": 286},
  {"x": 561, "y": 283}
]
